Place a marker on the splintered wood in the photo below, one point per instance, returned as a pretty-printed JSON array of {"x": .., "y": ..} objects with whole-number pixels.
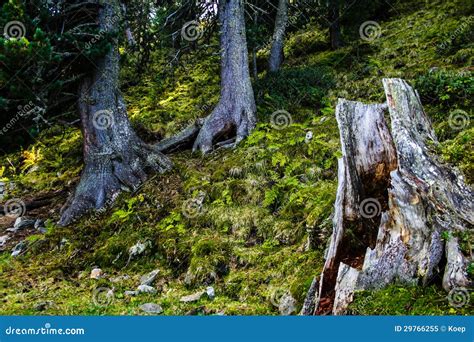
[{"x": 395, "y": 202}]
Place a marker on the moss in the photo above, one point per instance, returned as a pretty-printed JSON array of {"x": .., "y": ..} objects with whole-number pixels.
[
  {"x": 402, "y": 300},
  {"x": 259, "y": 200}
]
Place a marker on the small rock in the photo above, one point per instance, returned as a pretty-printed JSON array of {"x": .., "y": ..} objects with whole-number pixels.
[
  {"x": 309, "y": 137},
  {"x": 3, "y": 240},
  {"x": 211, "y": 293},
  {"x": 42, "y": 230},
  {"x": 2, "y": 190},
  {"x": 119, "y": 279},
  {"x": 287, "y": 305},
  {"x": 146, "y": 289},
  {"x": 19, "y": 248},
  {"x": 63, "y": 243},
  {"x": 138, "y": 248},
  {"x": 39, "y": 226},
  {"x": 96, "y": 273},
  {"x": 41, "y": 306},
  {"x": 131, "y": 293},
  {"x": 151, "y": 308},
  {"x": 149, "y": 278},
  {"x": 189, "y": 277},
  {"x": 23, "y": 222},
  {"x": 192, "y": 298}
]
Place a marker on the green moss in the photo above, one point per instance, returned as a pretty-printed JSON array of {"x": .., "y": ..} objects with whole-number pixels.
[
  {"x": 403, "y": 300},
  {"x": 259, "y": 200}
]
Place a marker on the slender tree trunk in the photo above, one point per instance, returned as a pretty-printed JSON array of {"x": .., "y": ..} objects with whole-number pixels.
[
  {"x": 115, "y": 157},
  {"x": 254, "y": 51},
  {"x": 335, "y": 26},
  {"x": 234, "y": 115},
  {"x": 276, "y": 52}
]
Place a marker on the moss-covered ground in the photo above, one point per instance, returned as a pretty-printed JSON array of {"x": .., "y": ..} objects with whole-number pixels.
[{"x": 260, "y": 201}]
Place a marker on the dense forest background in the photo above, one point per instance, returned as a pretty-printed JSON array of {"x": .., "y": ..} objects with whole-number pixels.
[{"x": 235, "y": 222}]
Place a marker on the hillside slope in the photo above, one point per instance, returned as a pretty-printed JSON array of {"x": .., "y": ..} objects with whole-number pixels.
[{"x": 252, "y": 223}]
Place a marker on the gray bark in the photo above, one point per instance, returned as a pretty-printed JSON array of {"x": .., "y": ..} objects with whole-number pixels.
[
  {"x": 182, "y": 140},
  {"x": 115, "y": 157},
  {"x": 276, "y": 52},
  {"x": 394, "y": 202},
  {"x": 309, "y": 304},
  {"x": 234, "y": 115},
  {"x": 335, "y": 25}
]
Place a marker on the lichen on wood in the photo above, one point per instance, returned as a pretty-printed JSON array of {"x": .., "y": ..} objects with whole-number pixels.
[{"x": 396, "y": 200}]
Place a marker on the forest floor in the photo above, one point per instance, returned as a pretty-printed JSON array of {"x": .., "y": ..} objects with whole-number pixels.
[{"x": 237, "y": 220}]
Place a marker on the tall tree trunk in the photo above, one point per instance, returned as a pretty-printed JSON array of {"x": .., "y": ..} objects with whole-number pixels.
[
  {"x": 395, "y": 202},
  {"x": 254, "y": 50},
  {"x": 235, "y": 114},
  {"x": 335, "y": 26},
  {"x": 115, "y": 157},
  {"x": 276, "y": 52}
]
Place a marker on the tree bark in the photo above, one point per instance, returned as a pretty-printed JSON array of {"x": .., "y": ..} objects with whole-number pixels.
[
  {"x": 235, "y": 114},
  {"x": 276, "y": 52},
  {"x": 335, "y": 26},
  {"x": 115, "y": 157},
  {"x": 395, "y": 201}
]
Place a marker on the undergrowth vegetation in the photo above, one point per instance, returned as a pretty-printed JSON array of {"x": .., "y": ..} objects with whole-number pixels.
[{"x": 264, "y": 210}]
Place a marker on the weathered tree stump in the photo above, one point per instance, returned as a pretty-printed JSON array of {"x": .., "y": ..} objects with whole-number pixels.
[{"x": 398, "y": 208}]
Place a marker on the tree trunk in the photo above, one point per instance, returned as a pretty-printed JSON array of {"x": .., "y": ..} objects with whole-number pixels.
[
  {"x": 276, "y": 52},
  {"x": 395, "y": 201},
  {"x": 115, "y": 157},
  {"x": 235, "y": 114},
  {"x": 335, "y": 26}
]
